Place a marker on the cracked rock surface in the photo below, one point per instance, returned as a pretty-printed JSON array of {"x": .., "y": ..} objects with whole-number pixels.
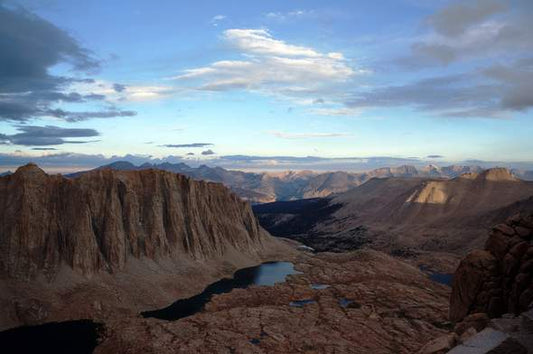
[{"x": 394, "y": 308}]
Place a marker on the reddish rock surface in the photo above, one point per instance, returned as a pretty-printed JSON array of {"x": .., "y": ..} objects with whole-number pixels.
[
  {"x": 499, "y": 279},
  {"x": 395, "y": 309}
]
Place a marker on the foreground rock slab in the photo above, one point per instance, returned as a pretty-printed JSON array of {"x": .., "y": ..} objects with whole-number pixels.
[{"x": 490, "y": 341}]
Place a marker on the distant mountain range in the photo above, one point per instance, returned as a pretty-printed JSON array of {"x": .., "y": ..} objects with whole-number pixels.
[
  {"x": 394, "y": 214},
  {"x": 291, "y": 185}
]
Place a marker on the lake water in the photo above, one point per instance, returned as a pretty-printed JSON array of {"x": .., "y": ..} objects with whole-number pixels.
[
  {"x": 55, "y": 337},
  {"x": 442, "y": 278},
  {"x": 343, "y": 302},
  {"x": 301, "y": 303},
  {"x": 266, "y": 274}
]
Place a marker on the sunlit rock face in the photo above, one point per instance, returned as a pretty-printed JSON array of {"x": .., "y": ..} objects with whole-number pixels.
[{"x": 98, "y": 221}]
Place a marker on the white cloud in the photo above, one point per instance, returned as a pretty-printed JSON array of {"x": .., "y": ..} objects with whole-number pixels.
[
  {"x": 285, "y": 135},
  {"x": 126, "y": 93},
  {"x": 216, "y": 19},
  {"x": 273, "y": 67},
  {"x": 260, "y": 41}
]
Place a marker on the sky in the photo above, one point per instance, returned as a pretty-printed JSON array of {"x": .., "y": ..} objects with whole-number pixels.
[{"x": 261, "y": 85}]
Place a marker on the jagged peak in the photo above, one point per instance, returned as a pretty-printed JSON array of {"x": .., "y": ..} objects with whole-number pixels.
[
  {"x": 121, "y": 165},
  {"x": 469, "y": 175},
  {"x": 406, "y": 168}
]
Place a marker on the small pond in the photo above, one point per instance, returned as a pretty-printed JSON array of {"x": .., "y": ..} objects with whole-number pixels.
[
  {"x": 55, "y": 337},
  {"x": 319, "y": 286},
  {"x": 301, "y": 303},
  {"x": 266, "y": 274}
]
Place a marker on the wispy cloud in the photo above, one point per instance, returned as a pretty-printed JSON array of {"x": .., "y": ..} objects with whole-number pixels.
[
  {"x": 290, "y": 15},
  {"x": 70, "y": 116},
  {"x": 285, "y": 135},
  {"x": 336, "y": 111}
]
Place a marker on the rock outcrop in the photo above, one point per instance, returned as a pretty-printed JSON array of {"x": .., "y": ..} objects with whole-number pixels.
[
  {"x": 499, "y": 279},
  {"x": 492, "y": 295},
  {"x": 96, "y": 222}
]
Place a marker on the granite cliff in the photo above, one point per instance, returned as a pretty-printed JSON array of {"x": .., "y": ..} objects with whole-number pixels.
[{"x": 97, "y": 221}]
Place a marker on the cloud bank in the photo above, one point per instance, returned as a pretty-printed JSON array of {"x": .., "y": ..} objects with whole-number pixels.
[{"x": 29, "y": 47}]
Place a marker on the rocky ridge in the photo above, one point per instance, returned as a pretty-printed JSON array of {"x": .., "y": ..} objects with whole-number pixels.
[{"x": 97, "y": 221}]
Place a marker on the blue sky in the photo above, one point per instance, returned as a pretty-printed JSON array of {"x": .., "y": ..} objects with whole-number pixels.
[{"x": 279, "y": 78}]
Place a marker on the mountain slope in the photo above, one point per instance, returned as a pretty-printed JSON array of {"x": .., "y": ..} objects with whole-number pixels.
[{"x": 411, "y": 213}]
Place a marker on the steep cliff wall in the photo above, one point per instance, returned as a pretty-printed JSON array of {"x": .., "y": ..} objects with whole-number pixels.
[{"x": 97, "y": 221}]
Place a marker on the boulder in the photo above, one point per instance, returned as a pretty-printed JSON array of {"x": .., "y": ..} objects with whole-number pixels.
[
  {"x": 472, "y": 273},
  {"x": 490, "y": 341},
  {"x": 439, "y": 345},
  {"x": 477, "y": 321}
]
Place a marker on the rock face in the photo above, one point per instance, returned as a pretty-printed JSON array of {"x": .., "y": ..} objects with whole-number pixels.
[
  {"x": 96, "y": 222},
  {"x": 498, "y": 279}
]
